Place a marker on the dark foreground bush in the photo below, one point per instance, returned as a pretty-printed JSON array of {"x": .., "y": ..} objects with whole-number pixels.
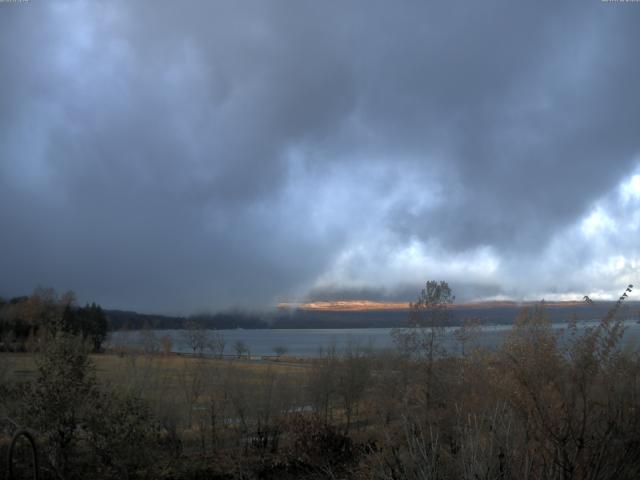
[{"x": 84, "y": 431}]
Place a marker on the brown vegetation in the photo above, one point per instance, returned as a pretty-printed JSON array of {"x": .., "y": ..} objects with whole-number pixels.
[{"x": 537, "y": 408}]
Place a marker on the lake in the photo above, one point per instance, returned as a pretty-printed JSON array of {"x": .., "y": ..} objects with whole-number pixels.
[{"x": 310, "y": 342}]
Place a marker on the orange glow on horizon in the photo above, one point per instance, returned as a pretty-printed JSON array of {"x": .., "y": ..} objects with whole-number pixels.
[
  {"x": 364, "y": 305},
  {"x": 347, "y": 305}
]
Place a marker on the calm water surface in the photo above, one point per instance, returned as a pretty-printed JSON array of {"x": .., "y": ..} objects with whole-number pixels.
[{"x": 311, "y": 342}]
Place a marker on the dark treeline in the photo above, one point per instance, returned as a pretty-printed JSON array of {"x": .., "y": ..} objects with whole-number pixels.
[
  {"x": 119, "y": 320},
  {"x": 26, "y": 321}
]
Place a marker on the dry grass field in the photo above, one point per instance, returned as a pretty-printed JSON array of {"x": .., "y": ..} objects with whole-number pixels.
[{"x": 126, "y": 370}]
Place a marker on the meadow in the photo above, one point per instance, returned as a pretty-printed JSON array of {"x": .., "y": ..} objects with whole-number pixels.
[{"x": 544, "y": 404}]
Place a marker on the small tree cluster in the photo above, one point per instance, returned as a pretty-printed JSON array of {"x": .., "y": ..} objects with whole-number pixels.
[{"x": 26, "y": 321}]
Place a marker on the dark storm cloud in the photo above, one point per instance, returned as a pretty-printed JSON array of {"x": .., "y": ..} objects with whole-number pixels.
[{"x": 171, "y": 156}]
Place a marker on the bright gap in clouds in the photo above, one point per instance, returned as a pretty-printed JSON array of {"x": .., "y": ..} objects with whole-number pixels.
[
  {"x": 598, "y": 255},
  {"x": 630, "y": 190}
]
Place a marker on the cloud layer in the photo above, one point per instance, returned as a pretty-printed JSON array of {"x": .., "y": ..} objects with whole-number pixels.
[{"x": 208, "y": 155}]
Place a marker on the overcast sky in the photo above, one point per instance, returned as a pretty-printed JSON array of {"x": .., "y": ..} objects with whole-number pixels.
[{"x": 178, "y": 156}]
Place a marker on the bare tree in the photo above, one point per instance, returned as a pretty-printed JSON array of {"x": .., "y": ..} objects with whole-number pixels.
[
  {"x": 391, "y": 385},
  {"x": 167, "y": 344},
  {"x": 216, "y": 393},
  {"x": 466, "y": 333},
  {"x": 192, "y": 382},
  {"x": 428, "y": 318},
  {"x": 353, "y": 374},
  {"x": 149, "y": 341},
  {"x": 241, "y": 348},
  {"x": 280, "y": 350},
  {"x": 216, "y": 344},
  {"x": 322, "y": 383},
  {"x": 195, "y": 337}
]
